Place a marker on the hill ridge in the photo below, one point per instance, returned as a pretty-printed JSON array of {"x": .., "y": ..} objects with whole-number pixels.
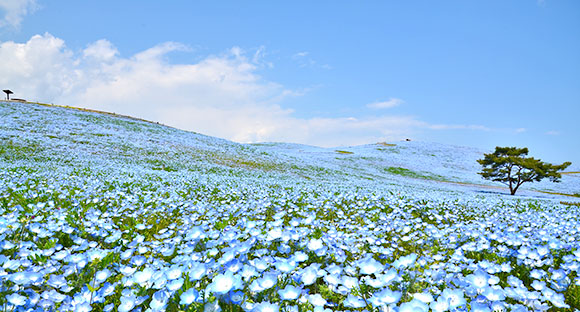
[{"x": 167, "y": 148}]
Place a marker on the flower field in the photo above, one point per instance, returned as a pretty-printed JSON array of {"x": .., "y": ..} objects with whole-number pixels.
[{"x": 102, "y": 213}]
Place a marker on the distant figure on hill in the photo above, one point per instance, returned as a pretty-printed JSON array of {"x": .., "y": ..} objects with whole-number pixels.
[{"x": 8, "y": 92}]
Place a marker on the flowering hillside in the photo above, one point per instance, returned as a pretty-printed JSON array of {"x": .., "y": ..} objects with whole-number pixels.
[{"x": 108, "y": 213}]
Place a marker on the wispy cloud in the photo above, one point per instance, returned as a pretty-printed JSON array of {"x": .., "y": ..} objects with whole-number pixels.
[
  {"x": 303, "y": 59},
  {"x": 221, "y": 95},
  {"x": 300, "y": 54},
  {"x": 457, "y": 127},
  {"x": 392, "y": 102},
  {"x": 521, "y": 130},
  {"x": 13, "y": 11},
  {"x": 553, "y": 132}
]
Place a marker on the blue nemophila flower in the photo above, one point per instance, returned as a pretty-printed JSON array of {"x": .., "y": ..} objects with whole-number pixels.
[
  {"x": 197, "y": 271},
  {"x": 405, "y": 261},
  {"x": 480, "y": 307},
  {"x": 7, "y": 245},
  {"x": 440, "y": 305},
  {"x": 454, "y": 298},
  {"x": 268, "y": 280},
  {"x": 349, "y": 281},
  {"x": 309, "y": 275},
  {"x": 290, "y": 308},
  {"x": 127, "y": 254},
  {"x": 235, "y": 297},
  {"x": 284, "y": 248},
  {"x": 248, "y": 272},
  {"x": 333, "y": 269},
  {"x": 144, "y": 278},
  {"x": 16, "y": 299},
  {"x": 159, "y": 301},
  {"x": 385, "y": 297},
  {"x": 556, "y": 299},
  {"x": 83, "y": 307},
  {"x": 414, "y": 306},
  {"x": 60, "y": 255},
  {"x": 375, "y": 283},
  {"x": 102, "y": 276},
  {"x": 223, "y": 283},
  {"x": 290, "y": 292},
  {"x": 353, "y": 302},
  {"x": 174, "y": 284},
  {"x": 127, "y": 270},
  {"x": 332, "y": 279},
  {"x": 57, "y": 281},
  {"x": 138, "y": 260},
  {"x": 424, "y": 297},
  {"x": 25, "y": 278},
  {"x": 317, "y": 300},
  {"x": 274, "y": 234},
  {"x": 159, "y": 279},
  {"x": 261, "y": 264},
  {"x": 12, "y": 264},
  {"x": 315, "y": 244},
  {"x": 285, "y": 265},
  {"x": 538, "y": 285},
  {"x": 189, "y": 296},
  {"x": 479, "y": 279},
  {"x": 33, "y": 297},
  {"x": 128, "y": 302},
  {"x": 300, "y": 256},
  {"x": 266, "y": 307},
  {"x": 369, "y": 266},
  {"x": 494, "y": 293},
  {"x": 45, "y": 304},
  {"x": 212, "y": 307},
  {"x": 53, "y": 296},
  {"x": 233, "y": 265},
  {"x": 106, "y": 290},
  {"x": 80, "y": 260},
  {"x": 558, "y": 275},
  {"x": 515, "y": 282}
]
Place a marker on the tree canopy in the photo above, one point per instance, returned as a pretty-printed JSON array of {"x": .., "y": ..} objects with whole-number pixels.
[{"x": 512, "y": 167}]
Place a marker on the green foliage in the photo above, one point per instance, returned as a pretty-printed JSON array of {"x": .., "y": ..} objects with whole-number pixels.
[
  {"x": 10, "y": 151},
  {"x": 512, "y": 167},
  {"x": 412, "y": 174}
]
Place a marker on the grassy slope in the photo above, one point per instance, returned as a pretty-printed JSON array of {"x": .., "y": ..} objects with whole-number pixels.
[
  {"x": 72, "y": 136},
  {"x": 90, "y": 173}
]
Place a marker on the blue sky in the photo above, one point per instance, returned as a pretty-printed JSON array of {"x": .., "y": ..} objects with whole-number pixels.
[{"x": 327, "y": 73}]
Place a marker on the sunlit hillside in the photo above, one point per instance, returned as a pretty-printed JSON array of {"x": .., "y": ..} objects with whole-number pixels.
[{"x": 100, "y": 212}]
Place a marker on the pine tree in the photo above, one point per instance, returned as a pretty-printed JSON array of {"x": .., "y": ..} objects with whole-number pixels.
[{"x": 512, "y": 167}]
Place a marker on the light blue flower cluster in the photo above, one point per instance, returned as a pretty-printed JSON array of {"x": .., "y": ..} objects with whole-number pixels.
[{"x": 126, "y": 226}]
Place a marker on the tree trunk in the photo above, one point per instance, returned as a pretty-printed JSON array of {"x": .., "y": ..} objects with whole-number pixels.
[{"x": 513, "y": 191}]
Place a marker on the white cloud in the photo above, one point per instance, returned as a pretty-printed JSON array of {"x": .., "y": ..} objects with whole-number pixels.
[
  {"x": 392, "y": 102},
  {"x": 303, "y": 60},
  {"x": 101, "y": 51},
  {"x": 13, "y": 11},
  {"x": 553, "y": 132},
  {"x": 221, "y": 95},
  {"x": 41, "y": 68},
  {"x": 300, "y": 54},
  {"x": 521, "y": 130}
]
